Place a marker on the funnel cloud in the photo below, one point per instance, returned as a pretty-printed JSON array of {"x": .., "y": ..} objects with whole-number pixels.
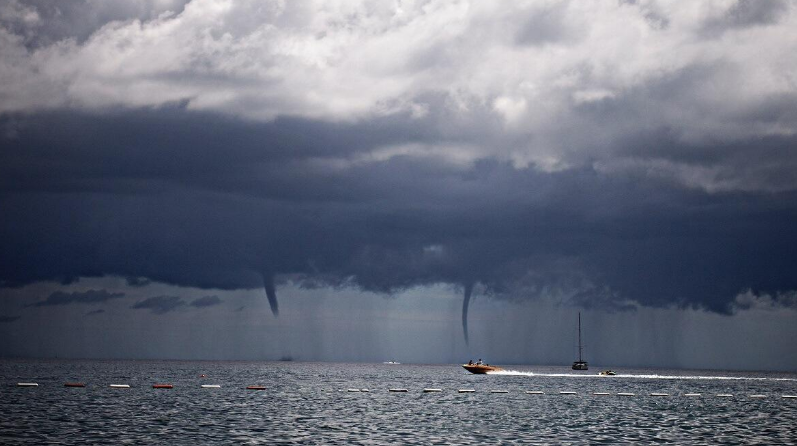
[{"x": 465, "y": 302}]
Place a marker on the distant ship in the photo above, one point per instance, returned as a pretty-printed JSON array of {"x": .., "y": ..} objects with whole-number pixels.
[
  {"x": 580, "y": 364},
  {"x": 391, "y": 362},
  {"x": 480, "y": 369}
]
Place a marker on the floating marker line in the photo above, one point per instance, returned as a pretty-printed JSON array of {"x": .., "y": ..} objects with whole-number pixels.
[{"x": 436, "y": 390}]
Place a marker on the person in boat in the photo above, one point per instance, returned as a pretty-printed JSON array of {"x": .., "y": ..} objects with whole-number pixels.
[
  {"x": 479, "y": 362},
  {"x": 470, "y": 362}
]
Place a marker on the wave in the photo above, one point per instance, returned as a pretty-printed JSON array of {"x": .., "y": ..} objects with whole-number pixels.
[{"x": 639, "y": 376}]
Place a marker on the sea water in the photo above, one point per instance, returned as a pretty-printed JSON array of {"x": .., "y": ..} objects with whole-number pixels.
[{"x": 315, "y": 403}]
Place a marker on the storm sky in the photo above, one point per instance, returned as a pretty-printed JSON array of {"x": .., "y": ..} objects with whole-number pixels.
[{"x": 422, "y": 181}]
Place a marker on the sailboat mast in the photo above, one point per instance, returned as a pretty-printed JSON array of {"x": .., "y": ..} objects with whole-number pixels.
[{"x": 579, "y": 337}]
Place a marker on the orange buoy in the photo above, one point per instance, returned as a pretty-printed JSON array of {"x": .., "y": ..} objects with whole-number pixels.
[
  {"x": 256, "y": 388},
  {"x": 74, "y": 385},
  {"x": 162, "y": 386},
  {"x": 202, "y": 375}
]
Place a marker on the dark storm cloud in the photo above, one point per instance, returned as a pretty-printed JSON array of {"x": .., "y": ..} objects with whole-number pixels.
[
  {"x": 77, "y": 297},
  {"x": 159, "y": 304},
  {"x": 137, "y": 281},
  {"x": 205, "y": 301},
  {"x": 197, "y": 200},
  {"x": 8, "y": 319},
  {"x": 92, "y": 313}
]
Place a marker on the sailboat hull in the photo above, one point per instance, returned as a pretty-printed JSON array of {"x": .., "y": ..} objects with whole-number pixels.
[{"x": 580, "y": 365}]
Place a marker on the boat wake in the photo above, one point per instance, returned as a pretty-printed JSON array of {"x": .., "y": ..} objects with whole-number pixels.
[{"x": 638, "y": 376}]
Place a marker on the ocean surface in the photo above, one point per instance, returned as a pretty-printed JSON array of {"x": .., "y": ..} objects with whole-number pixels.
[{"x": 314, "y": 403}]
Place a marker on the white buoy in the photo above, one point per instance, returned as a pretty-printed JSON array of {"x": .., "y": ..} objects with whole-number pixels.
[
  {"x": 693, "y": 394},
  {"x": 466, "y": 390},
  {"x": 27, "y": 384},
  {"x": 210, "y": 386},
  {"x": 600, "y": 393},
  {"x": 535, "y": 392},
  {"x": 352, "y": 390},
  {"x": 725, "y": 395},
  {"x": 659, "y": 394},
  {"x": 119, "y": 386},
  {"x": 397, "y": 390},
  {"x": 432, "y": 390},
  {"x": 499, "y": 391},
  {"x": 625, "y": 394},
  {"x": 567, "y": 392}
]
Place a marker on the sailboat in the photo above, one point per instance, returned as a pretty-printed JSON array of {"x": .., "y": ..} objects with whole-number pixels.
[{"x": 580, "y": 364}]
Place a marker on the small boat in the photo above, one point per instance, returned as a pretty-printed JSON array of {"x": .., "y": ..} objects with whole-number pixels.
[
  {"x": 391, "y": 362},
  {"x": 580, "y": 364},
  {"x": 480, "y": 369},
  {"x": 607, "y": 373}
]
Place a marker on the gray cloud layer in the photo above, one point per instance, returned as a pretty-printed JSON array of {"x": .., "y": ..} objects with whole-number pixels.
[
  {"x": 86, "y": 297},
  {"x": 159, "y": 304},
  {"x": 205, "y": 301},
  {"x": 608, "y": 152}
]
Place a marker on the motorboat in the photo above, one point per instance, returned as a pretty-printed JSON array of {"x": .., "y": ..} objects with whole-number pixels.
[
  {"x": 481, "y": 369},
  {"x": 607, "y": 373}
]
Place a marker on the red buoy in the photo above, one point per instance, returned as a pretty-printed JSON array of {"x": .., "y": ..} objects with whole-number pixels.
[
  {"x": 162, "y": 386},
  {"x": 256, "y": 388},
  {"x": 74, "y": 385}
]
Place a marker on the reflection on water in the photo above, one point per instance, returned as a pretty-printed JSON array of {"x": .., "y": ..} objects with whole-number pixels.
[{"x": 307, "y": 403}]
